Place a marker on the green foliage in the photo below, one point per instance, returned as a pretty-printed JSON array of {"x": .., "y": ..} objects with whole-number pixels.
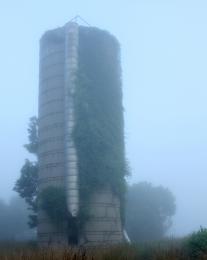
[
  {"x": 197, "y": 244},
  {"x": 32, "y": 146},
  {"x": 26, "y": 185},
  {"x": 149, "y": 211},
  {"x": 53, "y": 202},
  {"x": 98, "y": 132}
]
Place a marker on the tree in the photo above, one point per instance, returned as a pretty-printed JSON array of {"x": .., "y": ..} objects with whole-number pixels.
[
  {"x": 26, "y": 185},
  {"x": 149, "y": 211},
  {"x": 52, "y": 200}
]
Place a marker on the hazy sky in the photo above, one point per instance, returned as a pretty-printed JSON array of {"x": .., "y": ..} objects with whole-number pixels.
[{"x": 164, "y": 61}]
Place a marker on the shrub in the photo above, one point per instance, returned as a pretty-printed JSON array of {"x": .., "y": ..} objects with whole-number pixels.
[{"x": 196, "y": 244}]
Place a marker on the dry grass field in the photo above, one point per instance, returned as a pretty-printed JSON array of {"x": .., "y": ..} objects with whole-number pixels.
[
  {"x": 173, "y": 249},
  {"x": 191, "y": 247},
  {"x": 13, "y": 251}
]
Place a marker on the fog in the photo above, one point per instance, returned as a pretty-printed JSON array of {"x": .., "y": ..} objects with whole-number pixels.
[{"x": 164, "y": 63}]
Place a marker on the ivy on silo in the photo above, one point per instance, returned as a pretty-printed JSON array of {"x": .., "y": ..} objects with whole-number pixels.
[{"x": 99, "y": 130}]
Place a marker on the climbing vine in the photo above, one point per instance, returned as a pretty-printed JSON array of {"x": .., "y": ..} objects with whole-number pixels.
[
  {"x": 99, "y": 128},
  {"x": 53, "y": 201}
]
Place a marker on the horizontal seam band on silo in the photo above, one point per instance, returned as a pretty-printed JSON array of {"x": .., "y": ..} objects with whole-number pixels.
[
  {"x": 58, "y": 100},
  {"x": 105, "y": 218},
  {"x": 49, "y": 179},
  {"x": 51, "y": 82},
  {"x": 105, "y": 204},
  {"x": 103, "y": 231},
  {"x": 50, "y": 165},
  {"x": 61, "y": 112},
  {"x": 48, "y": 127},
  {"x": 50, "y": 233},
  {"x": 51, "y": 152},
  {"x": 51, "y": 140},
  {"x": 46, "y": 90},
  {"x": 51, "y": 78},
  {"x": 58, "y": 53},
  {"x": 46, "y": 67}
]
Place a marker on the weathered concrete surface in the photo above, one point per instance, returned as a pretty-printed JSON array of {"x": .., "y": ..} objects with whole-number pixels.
[
  {"x": 104, "y": 224},
  {"x": 57, "y": 153},
  {"x": 71, "y": 160},
  {"x": 51, "y": 129}
]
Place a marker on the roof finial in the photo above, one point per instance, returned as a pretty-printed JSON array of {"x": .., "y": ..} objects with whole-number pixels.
[{"x": 79, "y": 18}]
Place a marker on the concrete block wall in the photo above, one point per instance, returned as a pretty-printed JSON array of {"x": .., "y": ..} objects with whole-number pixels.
[
  {"x": 104, "y": 225},
  {"x": 51, "y": 129}
]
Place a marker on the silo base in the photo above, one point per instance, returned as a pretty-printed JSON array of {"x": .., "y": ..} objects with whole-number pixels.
[{"x": 104, "y": 225}]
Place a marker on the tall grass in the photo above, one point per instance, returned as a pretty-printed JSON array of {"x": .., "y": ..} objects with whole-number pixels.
[{"x": 165, "y": 250}]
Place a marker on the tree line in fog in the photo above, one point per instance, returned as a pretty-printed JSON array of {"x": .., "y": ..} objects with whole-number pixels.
[{"x": 149, "y": 212}]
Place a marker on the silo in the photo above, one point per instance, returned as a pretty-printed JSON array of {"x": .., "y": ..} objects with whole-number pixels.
[
  {"x": 78, "y": 86},
  {"x": 51, "y": 127}
]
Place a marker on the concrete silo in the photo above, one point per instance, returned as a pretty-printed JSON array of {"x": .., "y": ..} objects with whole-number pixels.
[{"x": 62, "y": 53}]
